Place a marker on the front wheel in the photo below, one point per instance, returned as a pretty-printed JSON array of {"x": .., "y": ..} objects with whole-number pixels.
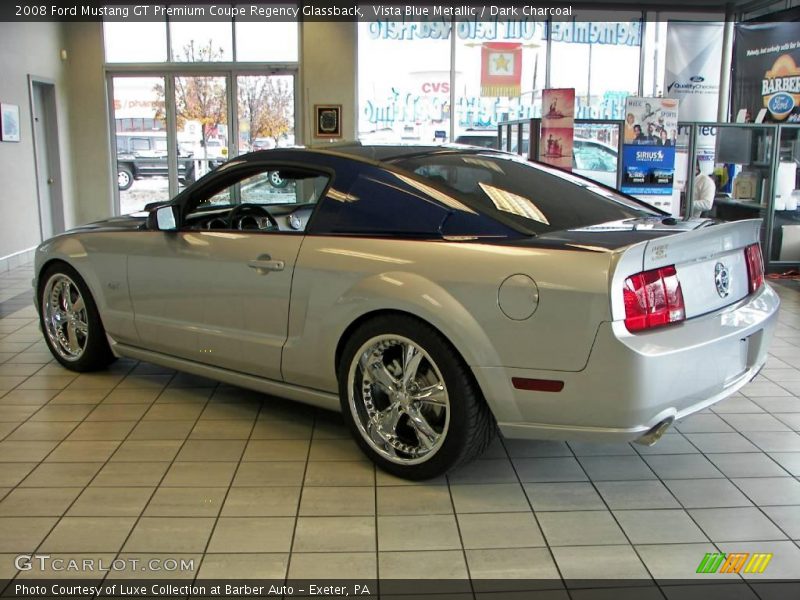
[
  {"x": 70, "y": 320},
  {"x": 410, "y": 400},
  {"x": 124, "y": 177}
]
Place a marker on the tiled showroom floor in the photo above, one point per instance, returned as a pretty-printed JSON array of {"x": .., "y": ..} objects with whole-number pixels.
[{"x": 141, "y": 461}]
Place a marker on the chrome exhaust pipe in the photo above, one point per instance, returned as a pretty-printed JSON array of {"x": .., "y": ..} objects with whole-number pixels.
[{"x": 655, "y": 433}]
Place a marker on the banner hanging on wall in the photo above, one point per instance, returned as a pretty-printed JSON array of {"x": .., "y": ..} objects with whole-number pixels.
[
  {"x": 501, "y": 69},
  {"x": 648, "y": 155},
  {"x": 694, "y": 53},
  {"x": 766, "y": 70},
  {"x": 558, "y": 123}
]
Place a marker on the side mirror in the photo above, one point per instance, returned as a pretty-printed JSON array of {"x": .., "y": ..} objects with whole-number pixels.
[{"x": 164, "y": 218}]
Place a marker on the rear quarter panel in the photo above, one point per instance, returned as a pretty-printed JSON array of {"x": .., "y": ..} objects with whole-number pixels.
[{"x": 453, "y": 286}]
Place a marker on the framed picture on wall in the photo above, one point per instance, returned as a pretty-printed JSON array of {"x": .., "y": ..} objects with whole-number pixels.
[
  {"x": 9, "y": 123},
  {"x": 329, "y": 120}
]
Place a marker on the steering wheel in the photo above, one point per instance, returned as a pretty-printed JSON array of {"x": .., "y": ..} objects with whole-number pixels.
[{"x": 251, "y": 216}]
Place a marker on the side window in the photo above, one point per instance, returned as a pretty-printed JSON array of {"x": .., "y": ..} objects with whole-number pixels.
[
  {"x": 380, "y": 203},
  {"x": 138, "y": 144},
  {"x": 274, "y": 199},
  {"x": 274, "y": 187}
]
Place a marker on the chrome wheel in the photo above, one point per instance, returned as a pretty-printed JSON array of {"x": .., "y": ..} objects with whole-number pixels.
[
  {"x": 65, "y": 318},
  {"x": 276, "y": 180},
  {"x": 398, "y": 399}
]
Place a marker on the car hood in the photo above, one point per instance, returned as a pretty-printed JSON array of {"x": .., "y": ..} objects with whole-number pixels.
[{"x": 121, "y": 223}]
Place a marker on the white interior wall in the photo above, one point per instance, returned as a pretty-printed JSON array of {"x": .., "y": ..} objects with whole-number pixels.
[{"x": 27, "y": 49}]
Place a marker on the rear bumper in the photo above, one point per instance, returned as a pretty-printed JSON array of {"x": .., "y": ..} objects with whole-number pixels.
[{"x": 631, "y": 383}]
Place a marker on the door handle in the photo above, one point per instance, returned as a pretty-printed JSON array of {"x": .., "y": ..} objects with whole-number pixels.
[{"x": 264, "y": 266}]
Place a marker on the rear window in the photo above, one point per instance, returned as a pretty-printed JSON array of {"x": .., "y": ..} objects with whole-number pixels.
[{"x": 532, "y": 198}]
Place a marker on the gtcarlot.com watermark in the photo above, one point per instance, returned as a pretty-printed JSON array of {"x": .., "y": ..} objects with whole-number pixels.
[{"x": 49, "y": 563}]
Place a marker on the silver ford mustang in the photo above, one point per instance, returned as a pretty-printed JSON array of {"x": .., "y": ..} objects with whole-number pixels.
[{"x": 432, "y": 294}]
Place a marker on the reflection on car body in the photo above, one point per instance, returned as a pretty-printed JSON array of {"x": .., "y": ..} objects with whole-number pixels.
[{"x": 431, "y": 294}]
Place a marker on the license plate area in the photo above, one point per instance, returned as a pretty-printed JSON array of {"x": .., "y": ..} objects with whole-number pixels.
[{"x": 739, "y": 358}]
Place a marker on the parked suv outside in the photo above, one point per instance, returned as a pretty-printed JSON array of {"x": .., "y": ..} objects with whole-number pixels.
[{"x": 144, "y": 154}]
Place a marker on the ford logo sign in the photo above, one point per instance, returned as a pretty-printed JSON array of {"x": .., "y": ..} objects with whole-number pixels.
[
  {"x": 697, "y": 79},
  {"x": 780, "y": 105}
]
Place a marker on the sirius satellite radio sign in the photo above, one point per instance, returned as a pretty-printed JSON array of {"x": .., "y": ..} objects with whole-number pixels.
[{"x": 766, "y": 70}]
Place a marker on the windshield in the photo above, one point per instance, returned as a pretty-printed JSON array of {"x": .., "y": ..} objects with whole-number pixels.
[{"x": 531, "y": 198}]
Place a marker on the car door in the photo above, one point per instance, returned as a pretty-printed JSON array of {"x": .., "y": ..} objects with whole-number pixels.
[{"x": 217, "y": 292}]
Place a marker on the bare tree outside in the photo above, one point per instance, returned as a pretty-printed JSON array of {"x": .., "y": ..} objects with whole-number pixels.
[{"x": 266, "y": 104}]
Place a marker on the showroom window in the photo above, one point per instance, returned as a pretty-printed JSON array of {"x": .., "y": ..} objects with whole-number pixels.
[
  {"x": 195, "y": 95},
  {"x": 497, "y": 72}
]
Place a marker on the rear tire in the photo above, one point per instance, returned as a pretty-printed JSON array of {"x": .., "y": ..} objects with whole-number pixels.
[
  {"x": 70, "y": 321},
  {"x": 410, "y": 400}
]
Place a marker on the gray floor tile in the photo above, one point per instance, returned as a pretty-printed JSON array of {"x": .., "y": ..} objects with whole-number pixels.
[
  {"x": 787, "y": 518},
  {"x": 659, "y": 527},
  {"x": 438, "y": 565},
  {"x": 237, "y": 429},
  {"x": 261, "y": 502},
  {"x": 68, "y": 451},
  {"x": 495, "y": 497},
  {"x": 102, "y": 430},
  {"x": 42, "y": 431},
  {"x": 111, "y": 502},
  {"x": 185, "y": 502},
  {"x": 162, "y": 430},
  {"x": 776, "y": 441},
  {"x": 426, "y": 500},
  {"x": 88, "y": 534},
  {"x": 211, "y": 450},
  {"x": 170, "y": 534},
  {"x": 580, "y": 528},
  {"x": 703, "y": 423},
  {"x": 352, "y": 473},
  {"x": 325, "y": 450},
  {"x": 682, "y": 466},
  {"x": 24, "y": 534},
  {"x": 636, "y": 495},
  {"x": 334, "y": 534},
  {"x": 597, "y": 449},
  {"x": 791, "y": 420},
  {"x": 536, "y": 449},
  {"x": 563, "y": 496},
  {"x": 205, "y": 474},
  {"x": 333, "y": 565},
  {"x": 25, "y": 451},
  {"x": 423, "y": 532},
  {"x": 258, "y": 450},
  {"x": 503, "y": 565},
  {"x": 770, "y": 491},
  {"x": 332, "y": 501},
  {"x": 721, "y": 442},
  {"x": 616, "y": 468},
  {"x": 146, "y": 450},
  {"x": 11, "y": 473},
  {"x": 244, "y": 566},
  {"x": 788, "y": 460},
  {"x": 747, "y": 464},
  {"x": 62, "y": 474},
  {"x": 270, "y": 473},
  {"x": 119, "y": 474},
  {"x": 735, "y": 524},
  {"x": 252, "y": 534},
  {"x": 37, "y": 502},
  {"x": 484, "y": 471},
  {"x": 706, "y": 493},
  {"x": 499, "y": 530},
  {"x": 549, "y": 469},
  {"x": 760, "y": 422},
  {"x": 599, "y": 562}
]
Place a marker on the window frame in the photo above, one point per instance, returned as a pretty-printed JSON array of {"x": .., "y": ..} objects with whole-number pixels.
[{"x": 189, "y": 199}]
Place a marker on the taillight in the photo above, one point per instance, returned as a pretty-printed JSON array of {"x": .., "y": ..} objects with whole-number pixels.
[
  {"x": 755, "y": 266},
  {"x": 653, "y": 299}
]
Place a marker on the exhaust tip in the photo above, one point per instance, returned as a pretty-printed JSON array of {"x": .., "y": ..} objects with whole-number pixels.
[{"x": 655, "y": 433}]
